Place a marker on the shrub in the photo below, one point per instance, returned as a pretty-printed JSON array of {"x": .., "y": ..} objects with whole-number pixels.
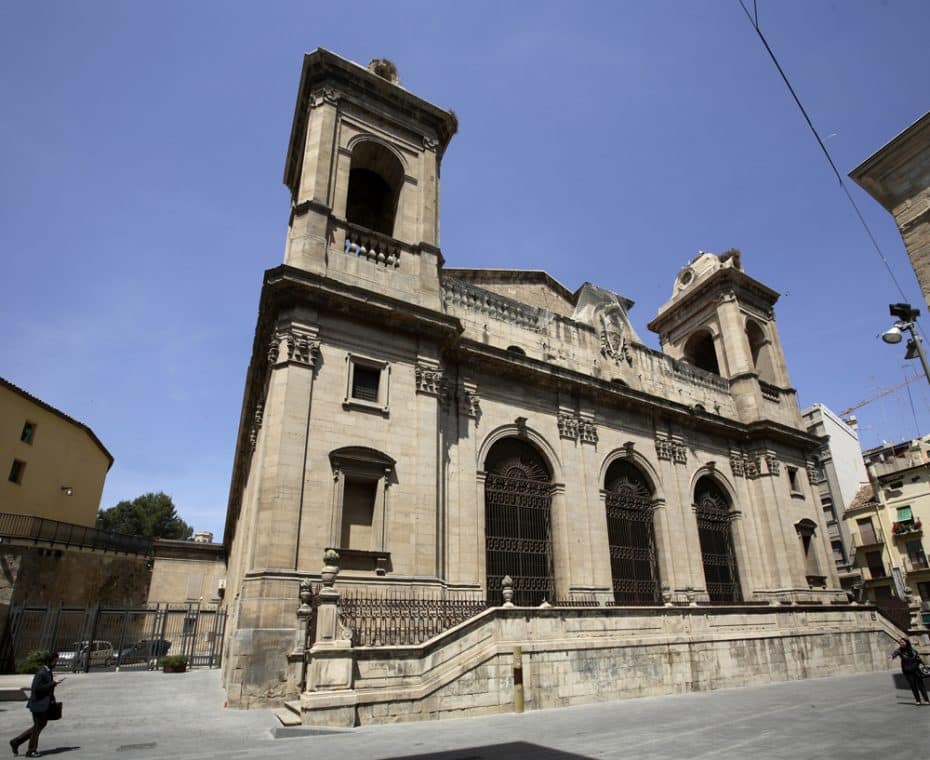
[
  {"x": 173, "y": 661},
  {"x": 33, "y": 662}
]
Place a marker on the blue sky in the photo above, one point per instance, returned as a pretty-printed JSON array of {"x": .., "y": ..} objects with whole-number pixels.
[{"x": 143, "y": 145}]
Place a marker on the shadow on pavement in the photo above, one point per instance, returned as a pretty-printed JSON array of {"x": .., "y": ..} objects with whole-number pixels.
[
  {"x": 508, "y": 751},
  {"x": 56, "y": 750}
]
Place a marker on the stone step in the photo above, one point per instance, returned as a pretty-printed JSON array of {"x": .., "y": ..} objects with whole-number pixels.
[
  {"x": 287, "y": 717},
  {"x": 293, "y": 706}
]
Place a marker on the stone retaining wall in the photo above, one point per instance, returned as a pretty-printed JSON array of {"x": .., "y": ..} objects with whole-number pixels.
[{"x": 582, "y": 655}]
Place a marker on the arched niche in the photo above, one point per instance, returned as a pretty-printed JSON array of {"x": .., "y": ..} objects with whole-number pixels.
[
  {"x": 760, "y": 349},
  {"x": 376, "y": 176},
  {"x": 700, "y": 351}
]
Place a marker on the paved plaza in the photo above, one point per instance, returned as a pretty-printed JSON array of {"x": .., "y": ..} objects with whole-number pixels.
[{"x": 151, "y": 716}]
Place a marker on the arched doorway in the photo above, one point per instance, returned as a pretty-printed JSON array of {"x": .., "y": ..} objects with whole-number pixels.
[
  {"x": 713, "y": 518},
  {"x": 631, "y": 535},
  {"x": 517, "y": 500},
  {"x": 375, "y": 179}
]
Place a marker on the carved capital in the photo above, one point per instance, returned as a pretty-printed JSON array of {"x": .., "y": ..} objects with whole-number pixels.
[
  {"x": 588, "y": 431},
  {"x": 738, "y": 463},
  {"x": 294, "y": 345},
  {"x": 663, "y": 448},
  {"x": 753, "y": 464},
  {"x": 679, "y": 452},
  {"x": 772, "y": 463},
  {"x": 469, "y": 401},
  {"x": 568, "y": 425},
  {"x": 325, "y": 96},
  {"x": 430, "y": 143},
  {"x": 432, "y": 381}
]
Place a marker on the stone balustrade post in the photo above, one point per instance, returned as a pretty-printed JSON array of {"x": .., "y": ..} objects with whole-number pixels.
[{"x": 329, "y": 698}]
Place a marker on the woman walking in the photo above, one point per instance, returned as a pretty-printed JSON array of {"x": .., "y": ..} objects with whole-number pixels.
[
  {"x": 910, "y": 666},
  {"x": 40, "y": 699}
]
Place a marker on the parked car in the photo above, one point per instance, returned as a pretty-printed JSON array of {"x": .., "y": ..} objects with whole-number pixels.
[
  {"x": 143, "y": 651},
  {"x": 98, "y": 653}
]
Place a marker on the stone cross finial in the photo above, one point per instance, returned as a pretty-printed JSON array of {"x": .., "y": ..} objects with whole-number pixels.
[{"x": 306, "y": 600}]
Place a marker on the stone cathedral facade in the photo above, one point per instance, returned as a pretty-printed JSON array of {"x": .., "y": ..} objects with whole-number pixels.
[{"x": 444, "y": 429}]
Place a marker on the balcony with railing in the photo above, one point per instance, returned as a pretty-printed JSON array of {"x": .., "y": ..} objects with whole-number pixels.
[{"x": 907, "y": 528}]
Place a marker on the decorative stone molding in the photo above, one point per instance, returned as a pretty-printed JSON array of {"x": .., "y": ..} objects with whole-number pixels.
[
  {"x": 326, "y": 96},
  {"x": 568, "y": 425},
  {"x": 293, "y": 345},
  {"x": 432, "y": 381},
  {"x": 663, "y": 448},
  {"x": 753, "y": 464},
  {"x": 813, "y": 472},
  {"x": 679, "y": 452},
  {"x": 430, "y": 143},
  {"x": 772, "y": 463},
  {"x": 588, "y": 432},
  {"x": 469, "y": 401},
  {"x": 738, "y": 463},
  {"x": 574, "y": 427},
  {"x": 256, "y": 424}
]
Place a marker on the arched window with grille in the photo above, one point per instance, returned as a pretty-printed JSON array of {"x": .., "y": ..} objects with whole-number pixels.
[
  {"x": 631, "y": 535},
  {"x": 518, "y": 541},
  {"x": 712, "y": 506}
]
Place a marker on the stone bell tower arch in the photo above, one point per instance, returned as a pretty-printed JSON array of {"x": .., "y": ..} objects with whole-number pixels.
[
  {"x": 363, "y": 166},
  {"x": 721, "y": 320}
]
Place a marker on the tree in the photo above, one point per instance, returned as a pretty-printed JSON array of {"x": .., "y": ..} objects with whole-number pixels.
[{"x": 152, "y": 515}]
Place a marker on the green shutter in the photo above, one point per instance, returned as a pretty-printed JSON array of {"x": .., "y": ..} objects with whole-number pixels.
[{"x": 904, "y": 514}]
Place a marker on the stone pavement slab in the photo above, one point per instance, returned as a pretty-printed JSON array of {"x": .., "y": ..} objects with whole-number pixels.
[{"x": 152, "y": 716}]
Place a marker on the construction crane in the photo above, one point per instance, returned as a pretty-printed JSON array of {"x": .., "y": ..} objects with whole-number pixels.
[{"x": 881, "y": 394}]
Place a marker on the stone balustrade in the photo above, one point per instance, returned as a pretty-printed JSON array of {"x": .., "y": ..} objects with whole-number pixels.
[
  {"x": 367, "y": 244},
  {"x": 456, "y": 293}
]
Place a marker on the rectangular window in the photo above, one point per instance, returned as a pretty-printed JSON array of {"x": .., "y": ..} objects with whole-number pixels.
[
  {"x": 876, "y": 566},
  {"x": 365, "y": 381},
  {"x": 793, "y": 479},
  {"x": 29, "y": 431},
  {"x": 839, "y": 556},
  {"x": 194, "y": 586},
  {"x": 866, "y": 532},
  {"x": 915, "y": 553},
  {"x": 904, "y": 514},
  {"x": 16, "y": 471}
]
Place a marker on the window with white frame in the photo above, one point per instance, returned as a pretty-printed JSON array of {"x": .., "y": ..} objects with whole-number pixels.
[
  {"x": 367, "y": 383},
  {"x": 362, "y": 478}
]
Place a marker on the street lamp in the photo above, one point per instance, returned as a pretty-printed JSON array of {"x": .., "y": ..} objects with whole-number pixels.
[{"x": 907, "y": 316}]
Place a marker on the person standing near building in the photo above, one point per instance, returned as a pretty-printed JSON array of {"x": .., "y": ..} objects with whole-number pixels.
[
  {"x": 40, "y": 699},
  {"x": 910, "y": 666}
]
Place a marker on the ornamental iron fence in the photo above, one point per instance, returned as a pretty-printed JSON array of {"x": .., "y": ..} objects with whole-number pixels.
[{"x": 101, "y": 638}]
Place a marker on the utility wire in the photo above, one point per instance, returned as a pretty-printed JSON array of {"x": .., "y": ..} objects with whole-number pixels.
[{"x": 754, "y": 20}]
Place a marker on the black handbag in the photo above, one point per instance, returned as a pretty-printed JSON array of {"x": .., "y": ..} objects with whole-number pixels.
[{"x": 54, "y": 711}]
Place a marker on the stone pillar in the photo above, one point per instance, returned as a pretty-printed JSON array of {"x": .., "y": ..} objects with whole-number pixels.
[{"x": 329, "y": 699}]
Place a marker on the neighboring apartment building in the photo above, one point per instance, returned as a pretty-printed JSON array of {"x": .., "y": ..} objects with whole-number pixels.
[
  {"x": 886, "y": 519},
  {"x": 898, "y": 177},
  {"x": 837, "y": 475},
  {"x": 53, "y": 466}
]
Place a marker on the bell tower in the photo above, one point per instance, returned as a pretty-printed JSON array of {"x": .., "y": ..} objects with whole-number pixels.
[
  {"x": 363, "y": 167},
  {"x": 721, "y": 320}
]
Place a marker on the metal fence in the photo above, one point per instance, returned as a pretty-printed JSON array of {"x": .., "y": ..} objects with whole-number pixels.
[
  {"x": 389, "y": 619},
  {"x": 101, "y": 638},
  {"x": 38, "y": 529}
]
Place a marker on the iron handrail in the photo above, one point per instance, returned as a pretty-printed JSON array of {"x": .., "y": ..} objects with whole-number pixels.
[{"x": 42, "y": 529}]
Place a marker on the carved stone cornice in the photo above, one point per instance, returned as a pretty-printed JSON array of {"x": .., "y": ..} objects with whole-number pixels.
[{"x": 432, "y": 381}]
